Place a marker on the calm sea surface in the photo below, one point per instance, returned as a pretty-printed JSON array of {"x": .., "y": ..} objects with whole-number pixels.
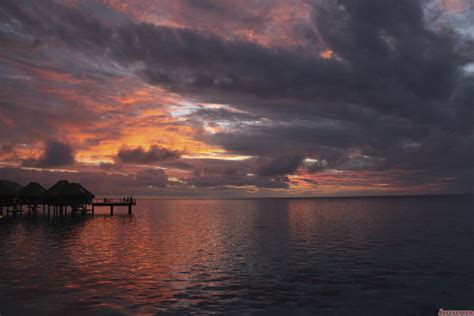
[{"x": 395, "y": 256}]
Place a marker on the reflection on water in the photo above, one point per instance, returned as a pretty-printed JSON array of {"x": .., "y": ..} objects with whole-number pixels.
[{"x": 384, "y": 255}]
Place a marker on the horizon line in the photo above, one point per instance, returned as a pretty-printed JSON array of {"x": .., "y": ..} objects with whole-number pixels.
[{"x": 298, "y": 197}]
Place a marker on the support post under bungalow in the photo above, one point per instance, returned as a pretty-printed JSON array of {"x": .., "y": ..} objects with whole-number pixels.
[
  {"x": 130, "y": 209},
  {"x": 111, "y": 210}
]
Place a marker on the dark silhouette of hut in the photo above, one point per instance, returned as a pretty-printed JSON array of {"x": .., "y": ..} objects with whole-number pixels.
[
  {"x": 69, "y": 194},
  {"x": 8, "y": 191},
  {"x": 61, "y": 197},
  {"x": 33, "y": 193}
]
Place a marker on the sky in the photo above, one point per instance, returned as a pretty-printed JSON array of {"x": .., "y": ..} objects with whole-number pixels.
[{"x": 239, "y": 98}]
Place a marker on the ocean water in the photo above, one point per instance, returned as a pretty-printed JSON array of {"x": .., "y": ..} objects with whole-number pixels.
[{"x": 341, "y": 256}]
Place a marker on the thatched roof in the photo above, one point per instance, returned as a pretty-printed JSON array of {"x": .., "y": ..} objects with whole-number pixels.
[
  {"x": 9, "y": 188},
  {"x": 32, "y": 190},
  {"x": 58, "y": 189},
  {"x": 66, "y": 189},
  {"x": 83, "y": 190}
]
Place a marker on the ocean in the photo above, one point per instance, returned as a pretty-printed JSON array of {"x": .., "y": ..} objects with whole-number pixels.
[{"x": 328, "y": 256}]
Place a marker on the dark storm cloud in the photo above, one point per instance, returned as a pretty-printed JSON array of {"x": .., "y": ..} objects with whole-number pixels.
[
  {"x": 393, "y": 68},
  {"x": 316, "y": 166},
  {"x": 239, "y": 181},
  {"x": 56, "y": 154},
  {"x": 140, "y": 155},
  {"x": 299, "y": 137},
  {"x": 281, "y": 165},
  {"x": 390, "y": 60},
  {"x": 463, "y": 103},
  {"x": 394, "y": 95},
  {"x": 440, "y": 151},
  {"x": 194, "y": 64},
  {"x": 403, "y": 67},
  {"x": 182, "y": 59},
  {"x": 221, "y": 173}
]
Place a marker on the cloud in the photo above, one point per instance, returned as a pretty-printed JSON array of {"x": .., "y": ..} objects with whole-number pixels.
[
  {"x": 212, "y": 173},
  {"x": 56, "y": 154},
  {"x": 278, "y": 166},
  {"x": 315, "y": 165},
  {"x": 152, "y": 177},
  {"x": 107, "y": 165},
  {"x": 394, "y": 94},
  {"x": 239, "y": 180},
  {"x": 7, "y": 148},
  {"x": 139, "y": 155}
]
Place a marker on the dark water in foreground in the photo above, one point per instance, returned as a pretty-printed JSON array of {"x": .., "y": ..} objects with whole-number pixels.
[{"x": 364, "y": 256}]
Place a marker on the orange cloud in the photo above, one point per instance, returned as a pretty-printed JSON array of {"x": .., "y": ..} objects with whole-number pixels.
[
  {"x": 457, "y": 5},
  {"x": 99, "y": 117},
  {"x": 326, "y": 54},
  {"x": 266, "y": 24},
  {"x": 332, "y": 182}
]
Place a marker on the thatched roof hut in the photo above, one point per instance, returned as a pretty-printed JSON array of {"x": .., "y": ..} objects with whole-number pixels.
[
  {"x": 83, "y": 190},
  {"x": 8, "y": 191},
  {"x": 66, "y": 193},
  {"x": 33, "y": 193}
]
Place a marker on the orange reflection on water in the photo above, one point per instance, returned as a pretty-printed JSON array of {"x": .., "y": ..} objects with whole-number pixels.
[
  {"x": 205, "y": 256},
  {"x": 151, "y": 258}
]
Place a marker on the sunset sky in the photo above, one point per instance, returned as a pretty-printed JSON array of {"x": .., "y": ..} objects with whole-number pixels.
[{"x": 239, "y": 98}]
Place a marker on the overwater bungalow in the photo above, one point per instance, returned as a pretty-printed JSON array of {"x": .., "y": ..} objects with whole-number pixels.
[
  {"x": 60, "y": 198},
  {"x": 68, "y": 194},
  {"x": 8, "y": 192},
  {"x": 32, "y": 194}
]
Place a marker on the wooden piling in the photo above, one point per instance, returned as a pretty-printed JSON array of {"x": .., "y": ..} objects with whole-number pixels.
[{"x": 63, "y": 209}]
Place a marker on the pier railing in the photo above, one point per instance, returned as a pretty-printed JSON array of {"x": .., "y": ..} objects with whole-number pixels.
[
  {"x": 114, "y": 201},
  {"x": 111, "y": 202}
]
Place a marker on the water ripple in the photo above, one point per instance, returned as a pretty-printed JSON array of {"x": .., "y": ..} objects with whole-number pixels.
[{"x": 329, "y": 256}]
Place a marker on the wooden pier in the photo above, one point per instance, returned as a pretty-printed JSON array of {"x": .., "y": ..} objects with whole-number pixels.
[
  {"x": 127, "y": 202},
  {"x": 48, "y": 209},
  {"x": 62, "y": 198}
]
